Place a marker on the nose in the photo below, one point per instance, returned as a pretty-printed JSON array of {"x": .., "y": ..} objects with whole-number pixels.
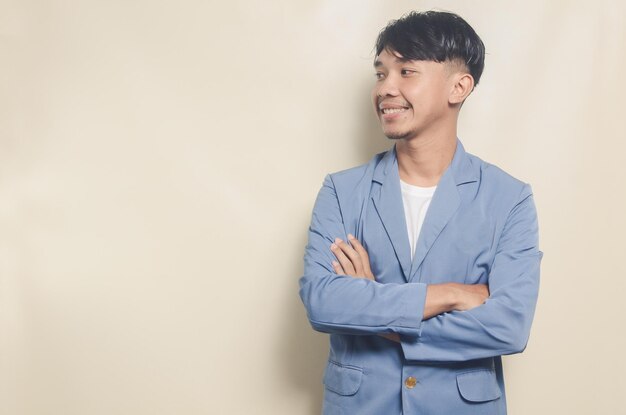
[{"x": 387, "y": 87}]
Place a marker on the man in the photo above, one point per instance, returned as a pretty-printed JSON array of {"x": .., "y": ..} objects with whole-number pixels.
[{"x": 422, "y": 264}]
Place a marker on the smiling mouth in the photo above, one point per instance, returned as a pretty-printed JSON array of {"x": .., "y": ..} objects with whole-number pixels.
[{"x": 393, "y": 110}]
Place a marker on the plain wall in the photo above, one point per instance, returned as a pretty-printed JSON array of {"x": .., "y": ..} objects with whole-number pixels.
[{"x": 158, "y": 166}]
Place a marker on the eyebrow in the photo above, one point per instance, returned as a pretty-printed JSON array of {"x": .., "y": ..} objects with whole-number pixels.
[{"x": 378, "y": 63}]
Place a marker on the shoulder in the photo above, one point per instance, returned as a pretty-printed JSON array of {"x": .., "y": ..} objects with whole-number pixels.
[
  {"x": 354, "y": 176},
  {"x": 497, "y": 182}
]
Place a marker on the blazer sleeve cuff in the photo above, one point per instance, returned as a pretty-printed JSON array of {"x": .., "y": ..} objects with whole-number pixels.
[{"x": 414, "y": 310}]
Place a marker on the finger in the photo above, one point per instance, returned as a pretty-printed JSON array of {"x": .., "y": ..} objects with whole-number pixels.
[
  {"x": 345, "y": 262},
  {"x": 365, "y": 259},
  {"x": 353, "y": 255},
  {"x": 338, "y": 269}
]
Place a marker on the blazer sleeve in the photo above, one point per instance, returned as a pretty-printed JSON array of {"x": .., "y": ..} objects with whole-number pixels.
[
  {"x": 349, "y": 305},
  {"x": 502, "y": 324}
]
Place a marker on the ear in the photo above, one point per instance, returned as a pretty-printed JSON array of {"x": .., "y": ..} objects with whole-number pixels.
[{"x": 463, "y": 85}]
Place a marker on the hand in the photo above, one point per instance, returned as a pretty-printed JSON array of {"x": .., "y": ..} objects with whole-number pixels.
[
  {"x": 353, "y": 259},
  {"x": 469, "y": 296}
]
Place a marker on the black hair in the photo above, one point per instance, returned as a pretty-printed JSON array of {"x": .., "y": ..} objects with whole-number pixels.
[{"x": 434, "y": 36}]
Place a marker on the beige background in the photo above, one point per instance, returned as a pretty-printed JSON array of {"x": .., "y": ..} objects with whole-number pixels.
[{"x": 159, "y": 162}]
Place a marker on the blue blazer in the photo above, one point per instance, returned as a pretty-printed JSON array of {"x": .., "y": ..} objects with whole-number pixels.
[{"x": 481, "y": 228}]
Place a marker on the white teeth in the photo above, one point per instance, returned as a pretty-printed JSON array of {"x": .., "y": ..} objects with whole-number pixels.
[{"x": 393, "y": 110}]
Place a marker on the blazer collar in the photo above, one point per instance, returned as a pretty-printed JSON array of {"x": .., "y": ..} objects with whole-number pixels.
[
  {"x": 446, "y": 200},
  {"x": 461, "y": 167}
]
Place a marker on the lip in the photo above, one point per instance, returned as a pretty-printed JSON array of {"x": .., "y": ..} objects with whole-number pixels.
[
  {"x": 387, "y": 105},
  {"x": 390, "y": 103}
]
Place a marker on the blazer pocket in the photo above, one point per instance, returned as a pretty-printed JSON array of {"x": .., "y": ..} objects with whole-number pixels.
[
  {"x": 342, "y": 379},
  {"x": 478, "y": 385}
]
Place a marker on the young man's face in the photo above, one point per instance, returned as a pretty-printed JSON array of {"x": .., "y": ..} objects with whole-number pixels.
[{"x": 410, "y": 97}]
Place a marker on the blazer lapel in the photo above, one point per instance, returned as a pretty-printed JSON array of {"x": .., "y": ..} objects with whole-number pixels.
[
  {"x": 444, "y": 204},
  {"x": 387, "y": 199}
]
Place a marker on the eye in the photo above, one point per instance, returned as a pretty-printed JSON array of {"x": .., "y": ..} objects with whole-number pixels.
[
  {"x": 407, "y": 72},
  {"x": 379, "y": 75}
]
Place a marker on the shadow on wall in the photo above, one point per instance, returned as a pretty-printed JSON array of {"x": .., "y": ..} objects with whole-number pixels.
[{"x": 305, "y": 353}]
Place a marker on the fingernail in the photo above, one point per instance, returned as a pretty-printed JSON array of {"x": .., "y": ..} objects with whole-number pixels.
[
  {"x": 337, "y": 240},
  {"x": 350, "y": 236},
  {"x": 333, "y": 246}
]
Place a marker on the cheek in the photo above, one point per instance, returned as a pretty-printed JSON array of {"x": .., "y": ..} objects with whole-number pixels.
[
  {"x": 374, "y": 96},
  {"x": 425, "y": 100},
  {"x": 437, "y": 94}
]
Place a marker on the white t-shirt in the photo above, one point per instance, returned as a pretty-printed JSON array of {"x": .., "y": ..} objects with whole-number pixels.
[{"x": 416, "y": 200}]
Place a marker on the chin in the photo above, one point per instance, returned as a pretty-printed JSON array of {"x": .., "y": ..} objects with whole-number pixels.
[{"x": 397, "y": 135}]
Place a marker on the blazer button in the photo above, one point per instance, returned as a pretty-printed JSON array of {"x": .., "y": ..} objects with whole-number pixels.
[{"x": 410, "y": 382}]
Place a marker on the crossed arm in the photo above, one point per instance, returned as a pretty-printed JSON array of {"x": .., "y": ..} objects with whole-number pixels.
[
  {"x": 433, "y": 322},
  {"x": 353, "y": 261}
]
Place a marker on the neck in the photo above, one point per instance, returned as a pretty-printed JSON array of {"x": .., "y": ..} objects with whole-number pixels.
[{"x": 423, "y": 160}]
